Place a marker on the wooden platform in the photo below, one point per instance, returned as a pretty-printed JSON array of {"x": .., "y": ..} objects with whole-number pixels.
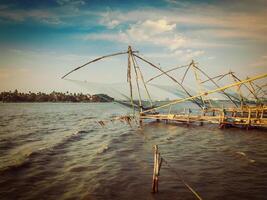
[{"x": 242, "y": 117}]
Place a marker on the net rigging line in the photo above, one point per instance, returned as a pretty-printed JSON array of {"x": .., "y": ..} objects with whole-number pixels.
[{"x": 179, "y": 177}]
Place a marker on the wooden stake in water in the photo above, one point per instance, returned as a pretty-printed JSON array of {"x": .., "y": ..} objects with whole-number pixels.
[{"x": 157, "y": 165}]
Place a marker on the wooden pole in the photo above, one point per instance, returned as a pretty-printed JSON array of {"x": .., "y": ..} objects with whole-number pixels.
[
  {"x": 249, "y": 118},
  {"x": 136, "y": 79},
  {"x": 255, "y": 96},
  {"x": 203, "y": 114},
  {"x": 157, "y": 165},
  {"x": 97, "y": 59},
  {"x": 171, "y": 77},
  {"x": 187, "y": 69},
  {"x": 205, "y": 74},
  {"x": 206, "y": 93},
  {"x": 188, "y": 117},
  {"x": 175, "y": 68},
  {"x": 219, "y": 76},
  {"x": 198, "y": 83},
  {"x": 143, "y": 80},
  {"x": 129, "y": 76}
]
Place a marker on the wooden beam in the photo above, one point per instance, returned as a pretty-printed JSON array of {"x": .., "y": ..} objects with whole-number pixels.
[
  {"x": 97, "y": 59},
  {"x": 209, "y": 92}
]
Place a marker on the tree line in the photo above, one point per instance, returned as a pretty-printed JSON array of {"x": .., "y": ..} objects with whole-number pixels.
[{"x": 16, "y": 96}]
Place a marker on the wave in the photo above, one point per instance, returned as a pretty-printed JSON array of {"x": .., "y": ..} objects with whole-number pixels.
[
  {"x": 14, "y": 141},
  {"x": 27, "y": 160}
]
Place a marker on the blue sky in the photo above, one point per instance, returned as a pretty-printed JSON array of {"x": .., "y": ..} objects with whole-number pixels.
[{"x": 42, "y": 40}]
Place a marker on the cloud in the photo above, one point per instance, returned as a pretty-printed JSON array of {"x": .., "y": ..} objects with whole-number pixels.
[
  {"x": 108, "y": 19},
  {"x": 158, "y": 32},
  {"x": 112, "y": 23},
  {"x": 154, "y": 27},
  {"x": 43, "y": 16},
  {"x": 60, "y": 14},
  {"x": 70, "y": 2},
  {"x": 202, "y": 20}
]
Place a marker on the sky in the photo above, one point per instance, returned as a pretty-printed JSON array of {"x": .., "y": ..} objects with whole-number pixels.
[{"x": 42, "y": 40}]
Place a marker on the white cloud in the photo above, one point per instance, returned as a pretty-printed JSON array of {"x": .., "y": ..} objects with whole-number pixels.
[
  {"x": 108, "y": 19},
  {"x": 207, "y": 21},
  {"x": 154, "y": 27},
  {"x": 157, "y": 32},
  {"x": 113, "y": 23},
  {"x": 147, "y": 29}
]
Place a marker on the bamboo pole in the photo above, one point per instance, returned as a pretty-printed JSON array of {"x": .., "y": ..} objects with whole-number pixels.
[
  {"x": 143, "y": 81},
  {"x": 219, "y": 76},
  {"x": 136, "y": 80},
  {"x": 129, "y": 76},
  {"x": 187, "y": 69},
  {"x": 201, "y": 90},
  {"x": 205, "y": 74},
  {"x": 260, "y": 89},
  {"x": 249, "y": 119},
  {"x": 97, "y": 59},
  {"x": 252, "y": 87},
  {"x": 255, "y": 96},
  {"x": 188, "y": 118},
  {"x": 241, "y": 97},
  {"x": 172, "y": 78},
  {"x": 156, "y": 170},
  {"x": 170, "y": 70},
  {"x": 209, "y": 92},
  {"x": 262, "y": 111}
]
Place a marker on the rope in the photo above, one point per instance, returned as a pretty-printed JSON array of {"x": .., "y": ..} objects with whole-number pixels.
[{"x": 182, "y": 180}]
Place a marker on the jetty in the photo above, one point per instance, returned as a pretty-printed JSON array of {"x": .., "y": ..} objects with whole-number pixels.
[{"x": 247, "y": 117}]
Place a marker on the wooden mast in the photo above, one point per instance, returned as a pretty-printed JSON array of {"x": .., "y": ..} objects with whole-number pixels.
[
  {"x": 129, "y": 76},
  {"x": 136, "y": 79}
]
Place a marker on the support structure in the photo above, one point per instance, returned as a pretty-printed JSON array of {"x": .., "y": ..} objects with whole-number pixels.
[{"x": 245, "y": 113}]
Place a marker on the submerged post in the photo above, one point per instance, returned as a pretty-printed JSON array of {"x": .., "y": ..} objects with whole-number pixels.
[{"x": 157, "y": 165}]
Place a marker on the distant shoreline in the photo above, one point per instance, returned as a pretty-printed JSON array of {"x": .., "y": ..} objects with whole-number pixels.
[
  {"x": 11, "y": 102},
  {"x": 53, "y": 97}
]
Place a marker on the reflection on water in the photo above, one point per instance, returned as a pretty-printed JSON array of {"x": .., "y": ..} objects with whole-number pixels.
[{"x": 57, "y": 151}]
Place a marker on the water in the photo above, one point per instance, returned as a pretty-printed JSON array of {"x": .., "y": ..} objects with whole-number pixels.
[{"x": 58, "y": 151}]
